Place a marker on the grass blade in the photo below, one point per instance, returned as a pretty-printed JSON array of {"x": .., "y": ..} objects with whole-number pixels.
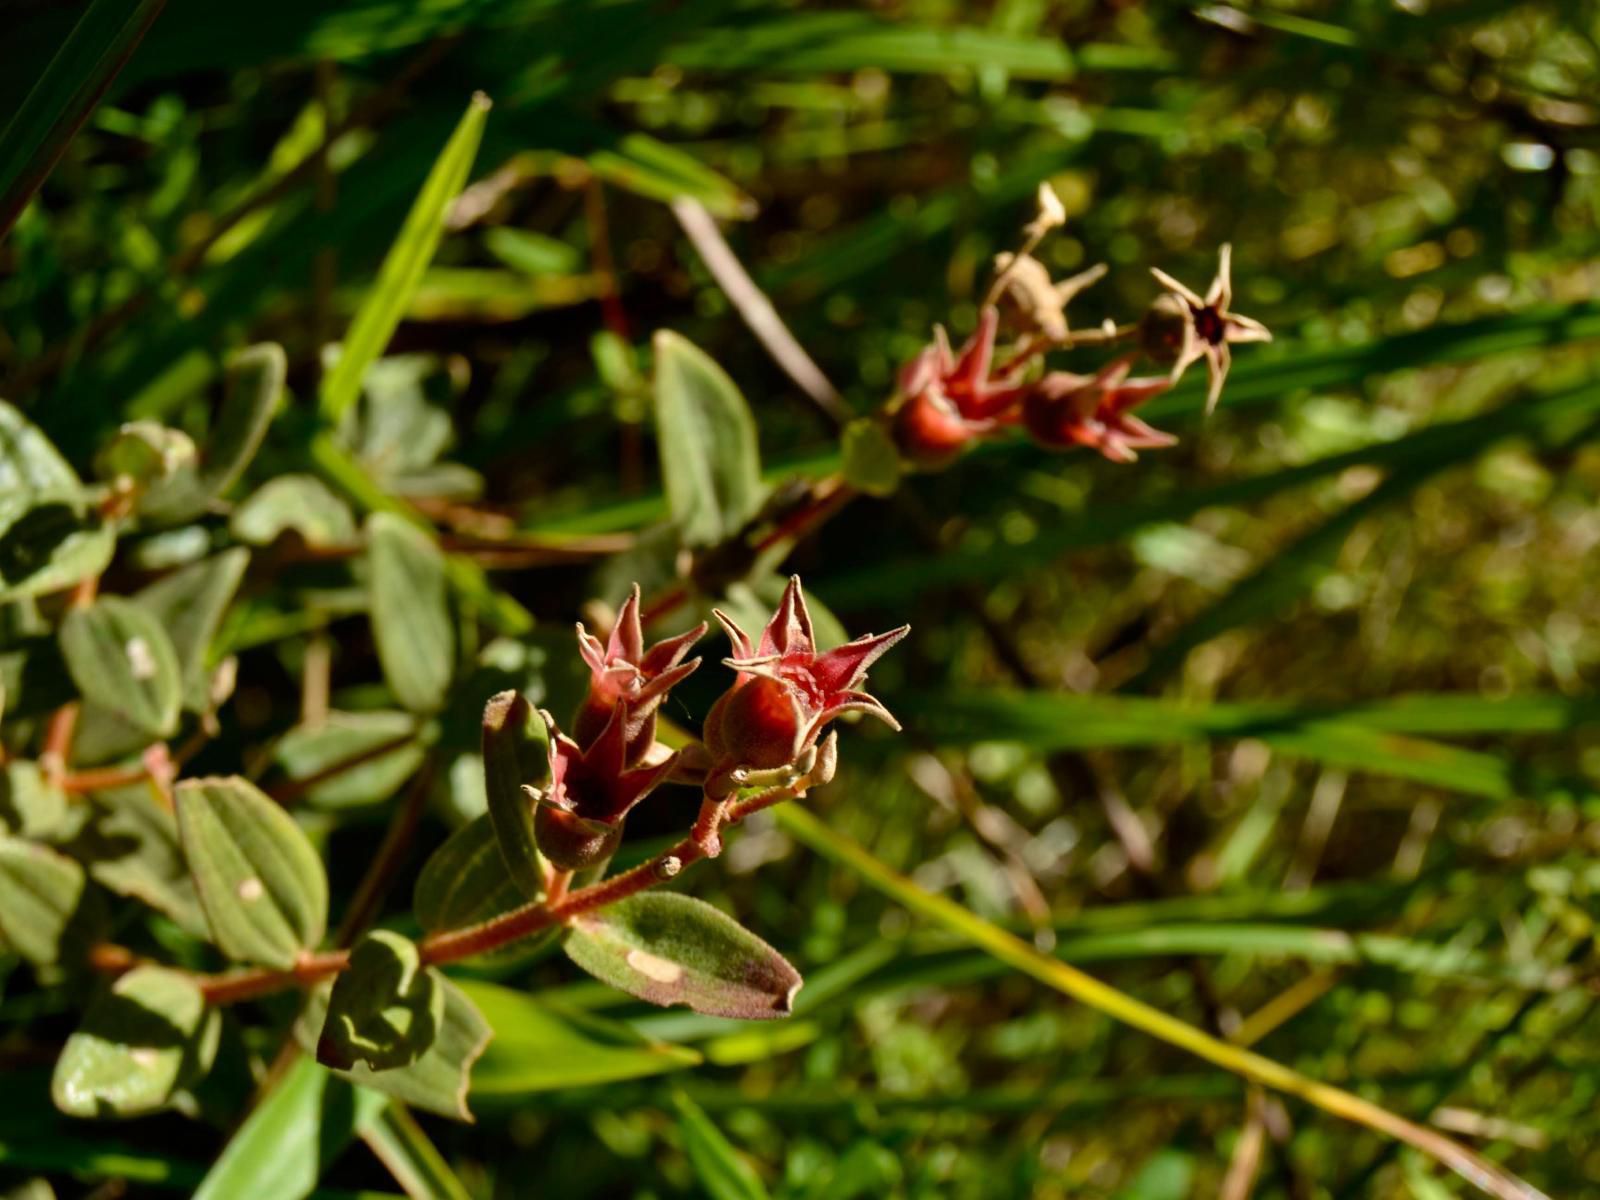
[
  {"x": 407, "y": 261},
  {"x": 722, "y": 1171},
  {"x": 98, "y": 47},
  {"x": 285, "y": 1144},
  {"x": 1375, "y": 737},
  {"x": 795, "y": 43},
  {"x": 1104, "y": 998},
  {"x": 415, "y": 1162}
]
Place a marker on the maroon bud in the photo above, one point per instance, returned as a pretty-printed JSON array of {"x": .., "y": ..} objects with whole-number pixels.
[
  {"x": 757, "y": 721},
  {"x": 591, "y": 790},
  {"x": 949, "y": 400},
  {"x": 930, "y": 432},
  {"x": 571, "y": 842},
  {"x": 1063, "y": 410}
]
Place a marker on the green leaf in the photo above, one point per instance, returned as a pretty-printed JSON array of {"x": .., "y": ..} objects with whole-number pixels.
[
  {"x": 388, "y": 742},
  {"x": 49, "y": 536},
  {"x": 260, "y": 880},
  {"x": 392, "y": 292},
  {"x": 465, "y": 881},
  {"x": 146, "y": 454},
  {"x": 48, "y": 912},
  {"x": 647, "y": 167},
  {"x": 150, "y": 1035},
  {"x": 190, "y": 604},
  {"x": 30, "y": 806},
  {"x": 123, "y": 660},
  {"x": 710, "y": 462},
  {"x": 130, "y": 846},
  {"x": 410, "y": 603},
  {"x": 672, "y": 949},
  {"x": 254, "y": 387},
  {"x": 385, "y": 1008},
  {"x": 540, "y": 1047},
  {"x": 468, "y": 578},
  {"x": 1362, "y": 737},
  {"x": 293, "y": 1135},
  {"x": 794, "y": 43},
  {"x": 532, "y": 253},
  {"x": 722, "y": 1171},
  {"x": 439, "y": 1081},
  {"x": 404, "y": 1148},
  {"x": 1167, "y": 1174},
  {"x": 870, "y": 459},
  {"x": 64, "y": 94},
  {"x": 514, "y": 754},
  {"x": 302, "y": 504}
]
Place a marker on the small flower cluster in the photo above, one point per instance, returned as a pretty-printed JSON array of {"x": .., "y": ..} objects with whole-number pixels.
[
  {"x": 948, "y": 399},
  {"x": 766, "y": 731}
]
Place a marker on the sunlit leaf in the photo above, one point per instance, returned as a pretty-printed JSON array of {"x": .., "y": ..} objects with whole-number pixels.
[
  {"x": 385, "y": 1008},
  {"x": 49, "y": 536},
  {"x": 148, "y": 1036},
  {"x": 673, "y": 949},
  {"x": 539, "y": 1047},
  {"x": 442, "y": 1080},
  {"x": 291, "y": 1137},
  {"x": 122, "y": 660},
  {"x": 410, "y": 605},
  {"x": 260, "y": 880},
  {"x": 513, "y": 755},
  {"x": 299, "y": 503},
  {"x": 48, "y": 911},
  {"x": 709, "y": 458},
  {"x": 255, "y": 378},
  {"x": 392, "y": 292}
]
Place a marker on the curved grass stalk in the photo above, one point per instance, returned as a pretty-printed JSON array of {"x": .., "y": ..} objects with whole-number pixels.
[{"x": 1104, "y": 998}]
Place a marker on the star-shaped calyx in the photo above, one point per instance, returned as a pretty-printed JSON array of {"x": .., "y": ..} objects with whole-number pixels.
[
  {"x": 1063, "y": 409},
  {"x": 1182, "y": 326},
  {"x": 624, "y": 671},
  {"x": 767, "y": 724}
]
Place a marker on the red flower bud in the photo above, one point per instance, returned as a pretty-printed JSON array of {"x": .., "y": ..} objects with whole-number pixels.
[
  {"x": 1063, "y": 410},
  {"x": 948, "y": 401},
  {"x": 772, "y": 716},
  {"x": 579, "y": 817},
  {"x": 623, "y": 671}
]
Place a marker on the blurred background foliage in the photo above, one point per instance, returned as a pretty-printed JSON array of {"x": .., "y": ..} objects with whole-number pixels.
[{"x": 1292, "y": 725}]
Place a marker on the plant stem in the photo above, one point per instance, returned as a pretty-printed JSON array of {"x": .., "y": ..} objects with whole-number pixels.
[
  {"x": 453, "y": 945},
  {"x": 757, "y": 311},
  {"x": 556, "y": 890}
]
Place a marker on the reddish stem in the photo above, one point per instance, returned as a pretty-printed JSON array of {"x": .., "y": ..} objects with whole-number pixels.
[{"x": 456, "y": 944}]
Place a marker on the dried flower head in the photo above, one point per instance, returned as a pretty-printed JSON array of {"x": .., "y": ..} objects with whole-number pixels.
[
  {"x": 1052, "y": 214},
  {"x": 1064, "y": 409},
  {"x": 1040, "y": 300},
  {"x": 623, "y": 671},
  {"x": 1181, "y": 326},
  {"x": 768, "y": 722}
]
